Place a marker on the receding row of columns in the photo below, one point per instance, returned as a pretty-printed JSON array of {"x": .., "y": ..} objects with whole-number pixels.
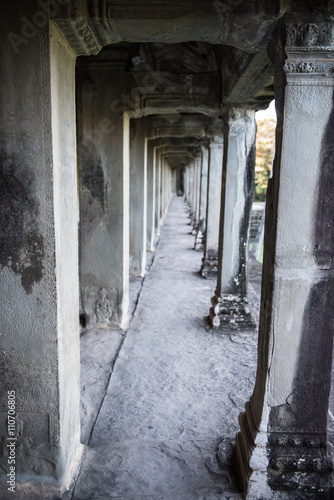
[
  {"x": 125, "y": 185},
  {"x": 283, "y": 441},
  {"x": 125, "y": 188},
  {"x": 219, "y": 191}
]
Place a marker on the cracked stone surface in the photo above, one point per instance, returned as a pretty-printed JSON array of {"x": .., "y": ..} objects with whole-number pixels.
[
  {"x": 98, "y": 350},
  {"x": 176, "y": 389}
]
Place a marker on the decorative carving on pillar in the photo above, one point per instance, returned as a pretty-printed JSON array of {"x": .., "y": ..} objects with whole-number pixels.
[
  {"x": 199, "y": 241},
  {"x": 231, "y": 309},
  {"x": 308, "y": 36},
  {"x": 195, "y": 225},
  {"x": 309, "y": 46},
  {"x": 85, "y": 26},
  {"x": 209, "y": 267}
]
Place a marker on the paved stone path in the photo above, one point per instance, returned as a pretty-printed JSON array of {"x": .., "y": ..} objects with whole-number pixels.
[{"x": 172, "y": 390}]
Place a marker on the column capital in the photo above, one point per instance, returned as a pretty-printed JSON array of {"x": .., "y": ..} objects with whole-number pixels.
[
  {"x": 309, "y": 35},
  {"x": 308, "y": 51},
  {"x": 234, "y": 113},
  {"x": 216, "y": 141}
]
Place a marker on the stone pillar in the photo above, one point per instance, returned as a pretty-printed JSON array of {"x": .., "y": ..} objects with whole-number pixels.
[
  {"x": 196, "y": 193},
  {"x": 179, "y": 182},
  {"x": 210, "y": 259},
  {"x": 157, "y": 189},
  {"x": 283, "y": 442},
  {"x": 151, "y": 194},
  {"x": 138, "y": 197},
  {"x": 174, "y": 181},
  {"x": 103, "y": 160},
  {"x": 230, "y": 301},
  {"x": 162, "y": 187},
  {"x": 186, "y": 184},
  {"x": 166, "y": 185},
  {"x": 39, "y": 299},
  {"x": 190, "y": 189},
  {"x": 200, "y": 236}
]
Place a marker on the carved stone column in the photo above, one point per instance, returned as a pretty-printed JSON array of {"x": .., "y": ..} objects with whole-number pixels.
[
  {"x": 185, "y": 183},
  {"x": 196, "y": 194},
  {"x": 157, "y": 155},
  {"x": 138, "y": 196},
  {"x": 190, "y": 189},
  {"x": 163, "y": 187},
  {"x": 230, "y": 301},
  {"x": 151, "y": 194},
  {"x": 283, "y": 442},
  {"x": 103, "y": 160},
  {"x": 200, "y": 236},
  {"x": 210, "y": 260}
]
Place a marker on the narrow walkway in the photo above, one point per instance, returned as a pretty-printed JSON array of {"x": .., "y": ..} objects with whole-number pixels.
[{"x": 176, "y": 389}]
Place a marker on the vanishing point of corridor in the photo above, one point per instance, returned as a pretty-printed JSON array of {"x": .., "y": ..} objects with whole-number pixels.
[{"x": 176, "y": 389}]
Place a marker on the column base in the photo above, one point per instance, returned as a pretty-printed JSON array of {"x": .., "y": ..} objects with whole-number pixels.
[
  {"x": 231, "y": 309},
  {"x": 195, "y": 225},
  {"x": 267, "y": 464},
  {"x": 199, "y": 241},
  {"x": 209, "y": 267}
]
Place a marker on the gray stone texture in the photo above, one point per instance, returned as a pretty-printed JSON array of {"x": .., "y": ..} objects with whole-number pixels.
[
  {"x": 287, "y": 413},
  {"x": 200, "y": 235},
  {"x": 157, "y": 190},
  {"x": 103, "y": 160},
  {"x": 230, "y": 303},
  {"x": 38, "y": 254},
  {"x": 151, "y": 194},
  {"x": 138, "y": 197},
  {"x": 175, "y": 60},
  {"x": 210, "y": 259},
  {"x": 164, "y": 415}
]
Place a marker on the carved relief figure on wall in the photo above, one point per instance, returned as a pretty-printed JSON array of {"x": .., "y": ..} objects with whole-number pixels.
[{"x": 103, "y": 309}]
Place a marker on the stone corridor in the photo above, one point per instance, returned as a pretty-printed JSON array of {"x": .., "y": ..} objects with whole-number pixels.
[
  {"x": 108, "y": 111},
  {"x": 176, "y": 389}
]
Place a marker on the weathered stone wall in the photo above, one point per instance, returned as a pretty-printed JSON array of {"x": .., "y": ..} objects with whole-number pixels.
[
  {"x": 38, "y": 257},
  {"x": 103, "y": 160}
]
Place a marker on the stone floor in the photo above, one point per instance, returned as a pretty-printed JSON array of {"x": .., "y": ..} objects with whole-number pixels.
[{"x": 158, "y": 399}]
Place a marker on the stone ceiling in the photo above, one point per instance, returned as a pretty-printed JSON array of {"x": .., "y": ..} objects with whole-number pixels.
[{"x": 181, "y": 57}]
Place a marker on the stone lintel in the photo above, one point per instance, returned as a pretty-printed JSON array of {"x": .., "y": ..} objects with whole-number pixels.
[
  {"x": 254, "y": 87},
  {"x": 170, "y": 23}
]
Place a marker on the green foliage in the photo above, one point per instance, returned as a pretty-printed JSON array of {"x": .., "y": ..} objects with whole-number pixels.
[{"x": 265, "y": 145}]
